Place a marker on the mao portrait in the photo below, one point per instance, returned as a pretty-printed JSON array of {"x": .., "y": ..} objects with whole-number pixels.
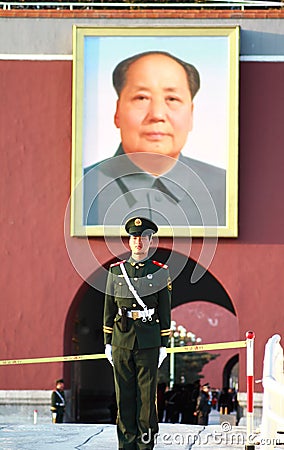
[{"x": 151, "y": 170}]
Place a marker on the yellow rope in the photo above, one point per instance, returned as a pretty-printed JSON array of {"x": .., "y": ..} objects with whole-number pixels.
[{"x": 186, "y": 348}]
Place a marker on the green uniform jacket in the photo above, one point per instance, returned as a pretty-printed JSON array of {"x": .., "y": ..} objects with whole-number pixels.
[
  {"x": 152, "y": 282},
  {"x": 56, "y": 401}
]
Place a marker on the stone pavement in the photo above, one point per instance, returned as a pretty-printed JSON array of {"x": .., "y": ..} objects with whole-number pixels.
[
  {"x": 102, "y": 437},
  {"x": 69, "y": 436},
  {"x": 22, "y": 434}
]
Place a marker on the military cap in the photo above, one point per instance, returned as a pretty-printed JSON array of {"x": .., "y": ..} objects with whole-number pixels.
[
  {"x": 60, "y": 381},
  {"x": 137, "y": 226}
]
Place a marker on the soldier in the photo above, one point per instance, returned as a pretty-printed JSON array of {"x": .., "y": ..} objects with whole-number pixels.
[
  {"x": 58, "y": 402},
  {"x": 137, "y": 320}
]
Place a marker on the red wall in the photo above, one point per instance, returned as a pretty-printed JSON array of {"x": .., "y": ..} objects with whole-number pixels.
[{"x": 37, "y": 280}]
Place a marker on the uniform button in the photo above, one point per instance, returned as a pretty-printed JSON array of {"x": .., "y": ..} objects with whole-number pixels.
[
  {"x": 134, "y": 304},
  {"x": 157, "y": 320},
  {"x": 137, "y": 267},
  {"x": 150, "y": 284},
  {"x": 135, "y": 278},
  {"x": 120, "y": 283}
]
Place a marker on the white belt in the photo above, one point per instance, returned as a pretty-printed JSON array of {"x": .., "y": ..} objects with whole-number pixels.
[{"x": 138, "y": 314}]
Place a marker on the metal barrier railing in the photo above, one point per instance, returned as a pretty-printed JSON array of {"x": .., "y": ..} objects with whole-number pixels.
[{"x": 273, "y": 395}]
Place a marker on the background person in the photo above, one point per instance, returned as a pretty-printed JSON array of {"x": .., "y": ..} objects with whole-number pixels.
[
  {"x": 154, "y": 114},
  {"x": 136, "y": 332},
  {"x": 203, "y": 407},
  {"x": 225, "y": 405},
  {"x": 58, "y": 402}
]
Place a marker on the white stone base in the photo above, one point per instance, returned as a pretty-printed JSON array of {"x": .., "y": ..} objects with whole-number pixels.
[
  {"x": 18, "y": 407},
  {"x": 257, "y": 407}
]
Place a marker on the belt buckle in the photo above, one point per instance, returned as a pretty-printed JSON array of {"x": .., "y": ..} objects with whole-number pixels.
[{"x": 135, "y": 315}]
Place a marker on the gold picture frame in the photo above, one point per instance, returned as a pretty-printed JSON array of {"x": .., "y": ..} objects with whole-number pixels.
[{"x": 214, "y": 51}]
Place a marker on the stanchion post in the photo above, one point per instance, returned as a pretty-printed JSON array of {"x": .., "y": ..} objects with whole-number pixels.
[
  {"x": 35, "y": 416},
  {"x": 250, "y": 336}
]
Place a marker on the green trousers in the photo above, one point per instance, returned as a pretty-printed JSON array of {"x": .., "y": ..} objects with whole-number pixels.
[{"x": 135, "y": 376}]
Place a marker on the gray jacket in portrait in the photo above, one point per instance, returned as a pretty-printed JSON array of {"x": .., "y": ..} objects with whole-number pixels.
[{"x": 191, "y": 193}]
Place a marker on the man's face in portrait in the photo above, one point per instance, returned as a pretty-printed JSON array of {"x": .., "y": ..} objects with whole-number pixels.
[{"x": 155, "y": 109}]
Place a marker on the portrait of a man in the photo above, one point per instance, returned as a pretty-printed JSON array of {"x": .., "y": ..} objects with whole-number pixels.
[{"x": 148, "y": 174}]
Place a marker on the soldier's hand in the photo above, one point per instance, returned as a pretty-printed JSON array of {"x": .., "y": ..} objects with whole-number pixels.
[
  {"x": 162, "y": 355},
  {"x": 108, "y": 353}
]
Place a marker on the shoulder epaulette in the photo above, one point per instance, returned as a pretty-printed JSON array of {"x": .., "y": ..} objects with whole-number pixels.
[
  {"x": 157, "y": 263},
  {"x": 117, "y": 263}
]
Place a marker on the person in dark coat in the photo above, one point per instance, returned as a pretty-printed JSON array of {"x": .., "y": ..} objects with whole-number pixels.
[
  {"x": 137, "y": 318},
  {"x": 225, "y": 405},
  {"x": 58, "y": 402},
  {"x": 203, "y": 406}
]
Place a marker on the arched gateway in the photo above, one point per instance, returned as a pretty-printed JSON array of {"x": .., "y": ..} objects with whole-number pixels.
[{"x": 92, "y": 387}]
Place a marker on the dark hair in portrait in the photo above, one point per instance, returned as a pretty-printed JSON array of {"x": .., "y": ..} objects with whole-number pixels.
[{"x": 120, "y": 72}]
